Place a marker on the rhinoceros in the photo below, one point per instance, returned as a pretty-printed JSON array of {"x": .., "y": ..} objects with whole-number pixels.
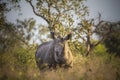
[{"x": 54, "y": 53}]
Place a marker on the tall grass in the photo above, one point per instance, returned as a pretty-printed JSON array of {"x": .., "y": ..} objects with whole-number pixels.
[{"x": 98, "y": 66}]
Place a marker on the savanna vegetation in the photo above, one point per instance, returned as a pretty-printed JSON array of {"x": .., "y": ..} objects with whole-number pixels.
[{"x": 93, "y": 59}]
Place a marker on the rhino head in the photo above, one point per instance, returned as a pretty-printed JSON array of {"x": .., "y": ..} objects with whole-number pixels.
[{"x": 62, "y": 53}]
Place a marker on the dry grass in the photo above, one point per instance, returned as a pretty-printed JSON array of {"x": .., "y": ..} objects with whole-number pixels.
[{"x": 90, "y": 68}]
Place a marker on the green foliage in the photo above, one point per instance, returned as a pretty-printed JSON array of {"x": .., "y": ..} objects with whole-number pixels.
[
  {"x": 26, "y": 29},
  {"x": 77, "y": 47},
  {"x": 100, "y": 49},
  {"x": 22, "y": 56},
  {"x": 110, "y": 32},
  {"x": 17, "y": 61},
  {"x": 112, "y": 42},
  {"x": 59, "y": 14}
]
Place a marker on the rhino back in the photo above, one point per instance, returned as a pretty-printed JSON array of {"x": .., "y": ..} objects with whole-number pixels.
[{"x": 44, "y": 53}]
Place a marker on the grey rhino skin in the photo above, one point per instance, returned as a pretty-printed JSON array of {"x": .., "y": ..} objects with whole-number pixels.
[{"x": 55, "y": 53}]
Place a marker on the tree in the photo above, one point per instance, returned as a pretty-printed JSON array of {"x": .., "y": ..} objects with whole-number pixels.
[
  {"x": 59, "y": 14},
  {"x": 87, "y": 29},
  {"x": 12, "y": 34},
  {"x": 112, "y": 42},
  {"x": 5, "y": 30}
]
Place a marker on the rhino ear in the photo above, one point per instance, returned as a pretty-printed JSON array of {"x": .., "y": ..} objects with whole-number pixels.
[
  {"x": 69, "y": 36},
  {"x": 59, "y": 36},
  {"x": 52, "y": 35}
]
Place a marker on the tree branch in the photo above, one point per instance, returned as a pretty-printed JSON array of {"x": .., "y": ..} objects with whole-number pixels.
[
  {"x": 103, "y": 38},
  {"x": 37, "y": 13},
  {"x": 42, "y": 16},
  {"x": 100, "y": 22},
  {"x": 80, "y": 36}
]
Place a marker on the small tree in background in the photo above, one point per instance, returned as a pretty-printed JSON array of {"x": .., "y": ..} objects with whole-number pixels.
[
  {"x": 112, "y": 42},
  {"x": 87, "y": 30}
]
